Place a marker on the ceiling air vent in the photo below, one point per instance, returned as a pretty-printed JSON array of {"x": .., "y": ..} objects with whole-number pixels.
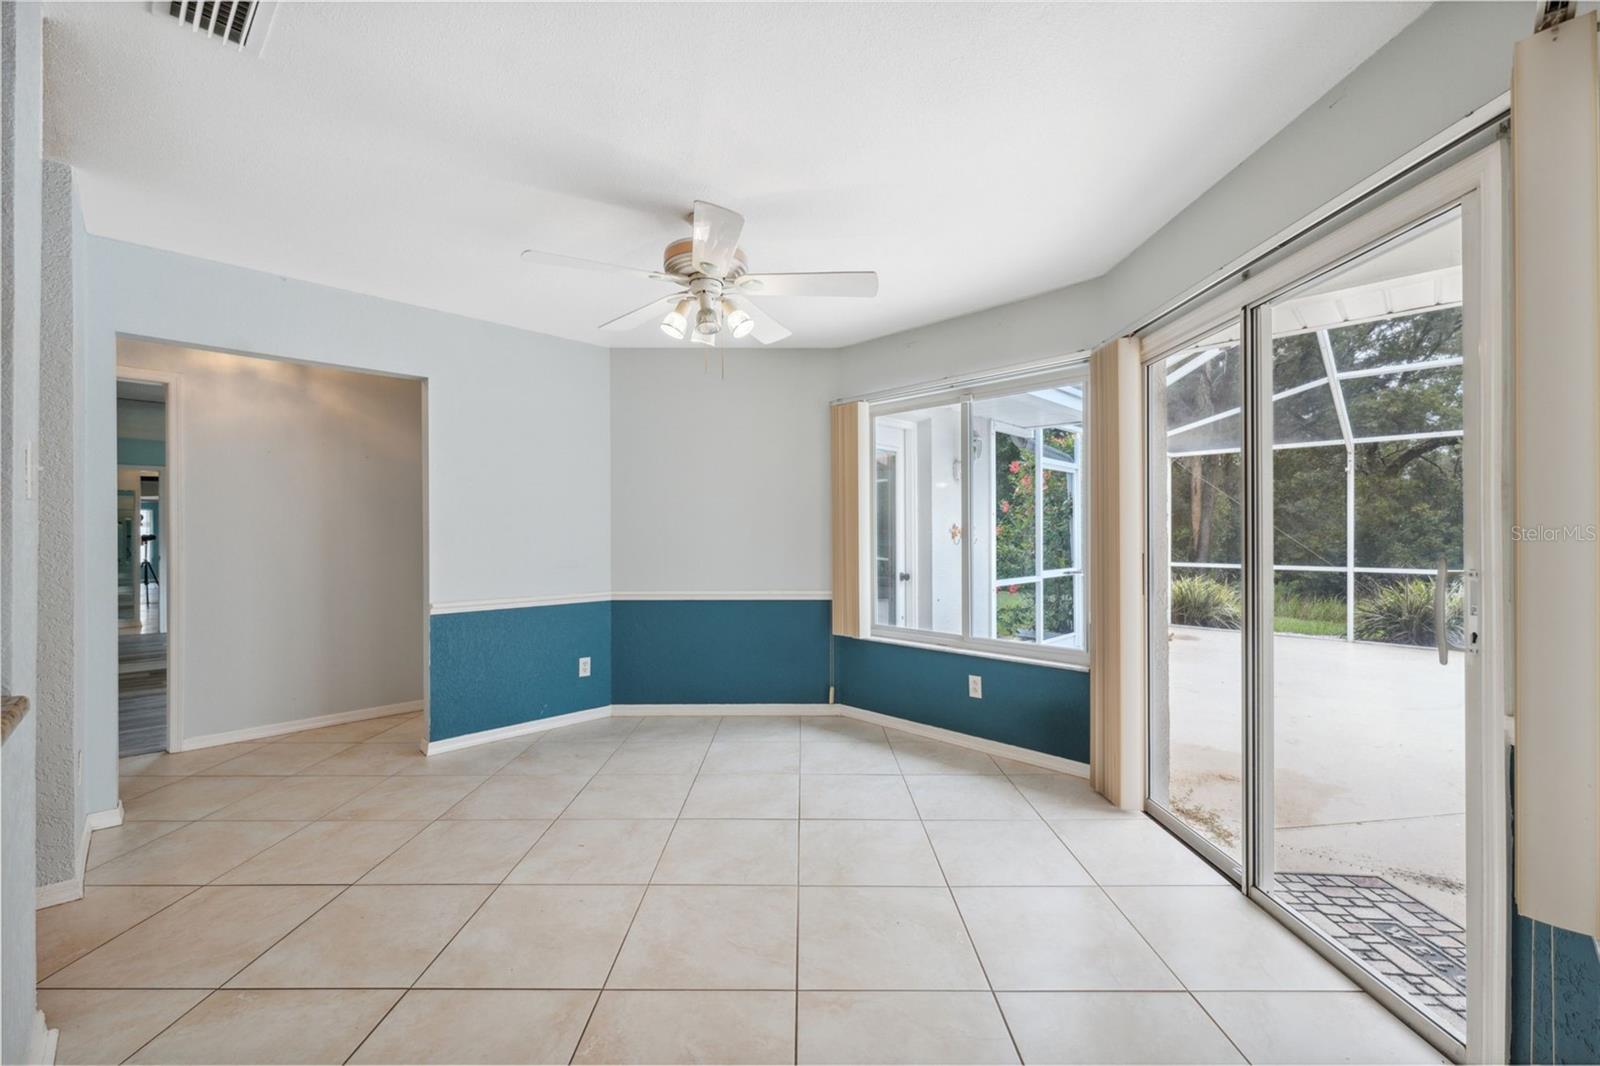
[{"x": 242, "y": 23}]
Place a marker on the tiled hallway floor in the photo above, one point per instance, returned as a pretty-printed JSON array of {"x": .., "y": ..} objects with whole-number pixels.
[{"x": 684, "y": 889}]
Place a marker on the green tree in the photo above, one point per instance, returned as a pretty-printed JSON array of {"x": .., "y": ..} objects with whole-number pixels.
[{"x": 1408, "y": 493}]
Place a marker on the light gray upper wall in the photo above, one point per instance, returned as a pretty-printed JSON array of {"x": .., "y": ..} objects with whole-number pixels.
[
  {"x": 301, "y": 526},
  {"x": 1453, "y": 59},
  {"x": 719, "y": 484},
  {"x": 21, "y": 228}
]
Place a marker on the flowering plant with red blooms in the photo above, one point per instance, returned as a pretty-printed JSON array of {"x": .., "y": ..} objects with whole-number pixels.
[{"x": 1016, "y": 465}]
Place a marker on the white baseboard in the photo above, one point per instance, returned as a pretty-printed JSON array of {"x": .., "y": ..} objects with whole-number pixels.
[
  {"x": 103, "y": 819},
  {"x": 72, "y": 888},
  {"x": 660, "y": 710},
  {"x": 988, "y": 747},
  {"x": 667, "y": 710},
  {"x": 299, "y": 725},
  {"x": 489, "y": 736},
  {"x": 42, "y": 1043},
  {"x": 59, "y": 893}
]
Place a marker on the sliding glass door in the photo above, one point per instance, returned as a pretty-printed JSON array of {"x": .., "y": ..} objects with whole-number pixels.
[
  {"x": 1196, "y": 535},
  {"x": 1322, "y": 476},
  {"x": 1365, "y": 835}
]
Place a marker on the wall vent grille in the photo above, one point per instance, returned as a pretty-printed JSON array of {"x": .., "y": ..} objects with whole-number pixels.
[{"x": 229, "y": 20}]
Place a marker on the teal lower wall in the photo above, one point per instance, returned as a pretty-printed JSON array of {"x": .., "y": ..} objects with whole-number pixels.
[
  {"x": 720, "y": 651},
  {"x": 1042, "y": 708},
  {"x": 1555, "y": 994},
  {"x": 488, "y": 669},
  {"x": 134, "y": 451}
]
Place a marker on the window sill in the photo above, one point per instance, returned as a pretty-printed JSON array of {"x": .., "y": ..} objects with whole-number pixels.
[{"x": 1055, "y": 658}]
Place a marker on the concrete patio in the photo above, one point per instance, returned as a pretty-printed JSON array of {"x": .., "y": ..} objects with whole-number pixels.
[{"x": 1370, "y": 757}]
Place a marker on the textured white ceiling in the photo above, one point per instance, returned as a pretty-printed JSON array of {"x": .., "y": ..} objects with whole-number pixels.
[{"x": 972, "y": 154}]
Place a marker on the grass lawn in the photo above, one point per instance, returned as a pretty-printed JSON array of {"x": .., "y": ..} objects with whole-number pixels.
[{"x": 1311, "y": 616}]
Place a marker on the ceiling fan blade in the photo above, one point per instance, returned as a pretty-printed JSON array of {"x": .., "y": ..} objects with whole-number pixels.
[
  {"x": 533, "y": 255},
  {"x": 716, "y": 237},
  {"x": 639, "y": 316},
  {"x": 768, "y": 330},
  {"x": 831, "y": 283}
]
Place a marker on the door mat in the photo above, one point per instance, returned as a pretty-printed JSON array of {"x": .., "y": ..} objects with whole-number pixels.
[{"x": 1415, "y": 949}]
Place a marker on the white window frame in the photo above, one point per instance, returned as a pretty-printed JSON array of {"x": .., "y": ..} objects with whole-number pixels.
[
  {"x": 1054, "y": 652},
  {"x": 904, "y": 451},
  {"x": 1041, "y": 573}
]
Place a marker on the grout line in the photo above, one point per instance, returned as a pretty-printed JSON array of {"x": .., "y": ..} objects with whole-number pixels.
[
  {"x": 799, "y": 842},
  {"x": 209, "y": 993},
  {"x": 971, "y": 940},
  {"x": 212, "y": 883},
  {"x": 675, "y": 988},
  {"x": 644, "y": 891},
  {"x": 192, "y": 889},
  {"x": 1210, "y": 1017},
  {"x": 487, "y": 896},
  {"x": 315, "y": 911},
  {"x": 805, "y": 737},
  {"x": 1107, "y": 896}
]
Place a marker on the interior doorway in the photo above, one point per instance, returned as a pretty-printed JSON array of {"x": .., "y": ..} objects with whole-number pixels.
[{"x": 142, "y": 624}]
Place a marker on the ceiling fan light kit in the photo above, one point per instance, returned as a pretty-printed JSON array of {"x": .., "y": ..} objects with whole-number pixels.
[
  {"x": 714, "y": 281},
  {"x": 676, "y": 324}
]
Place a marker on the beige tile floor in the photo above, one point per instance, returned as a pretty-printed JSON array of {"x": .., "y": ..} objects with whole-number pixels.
[{"x": 685, "y": 889}]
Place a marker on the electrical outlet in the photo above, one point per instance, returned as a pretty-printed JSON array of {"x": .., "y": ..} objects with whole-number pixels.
[
  {"x": 975, "y": 686},
  {"x": 583, "y": 666}
]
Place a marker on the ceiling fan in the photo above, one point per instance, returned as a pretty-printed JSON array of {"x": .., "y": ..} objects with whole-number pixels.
[{"x": 714, "y": 284}]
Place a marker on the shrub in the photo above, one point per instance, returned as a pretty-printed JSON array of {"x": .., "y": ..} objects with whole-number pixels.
[
  {"x": 1198, "y": 600},
  {"x": 1402, "y": 613},
  {"x": 1013, "y": 611}
]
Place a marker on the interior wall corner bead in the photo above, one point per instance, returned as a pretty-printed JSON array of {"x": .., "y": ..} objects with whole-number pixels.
[
  {"x": 851, "y": 440},
  {"x": 1116, "y": 594},
  {"x": 1555, "y": 107}
]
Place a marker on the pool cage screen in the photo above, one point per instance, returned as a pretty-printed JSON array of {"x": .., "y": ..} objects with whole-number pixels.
[{"x": 1366, "y": 471}]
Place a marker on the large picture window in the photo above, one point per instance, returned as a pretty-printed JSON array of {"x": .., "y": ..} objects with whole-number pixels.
[{"x": 982, "y": 543}]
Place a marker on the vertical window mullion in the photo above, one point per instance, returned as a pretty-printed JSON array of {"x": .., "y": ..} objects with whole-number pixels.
[
  {"x": 966, "y": 518},
  {"x": 1038, "y": 535}
]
